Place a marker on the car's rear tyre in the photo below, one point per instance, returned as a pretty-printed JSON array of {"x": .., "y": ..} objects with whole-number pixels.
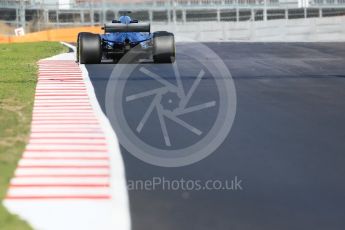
[
  {"x": 117, "y": 58},
  {"x": 163, "y": 50},
  {"x": 89, "y": 49},
  {"x": 78, "y": 39}
]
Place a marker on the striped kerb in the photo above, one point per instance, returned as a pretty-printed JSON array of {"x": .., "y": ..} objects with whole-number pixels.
[{"x": 67, "y": 155}]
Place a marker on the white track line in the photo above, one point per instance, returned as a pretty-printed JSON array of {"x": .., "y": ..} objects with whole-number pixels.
[{"x": 71, "y": 175}]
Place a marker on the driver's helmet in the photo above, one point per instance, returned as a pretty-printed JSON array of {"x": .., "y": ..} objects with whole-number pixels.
[{"x": 125, "y": 19}]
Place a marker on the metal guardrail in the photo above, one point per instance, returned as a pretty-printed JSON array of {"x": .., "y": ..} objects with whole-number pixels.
[
  {"x": 36, "y": 17},
  {"x": 178, "y": 4},
  {"x": 173, "y": 4}
]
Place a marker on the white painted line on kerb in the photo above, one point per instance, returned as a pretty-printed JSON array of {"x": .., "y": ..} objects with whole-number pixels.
[
  {"x": 67, "y": 162},
  {"x": 71, "y": 175},
  {"x": 119, "y": 188},
  {"x": 59, "y": 180},
  {"x": 62, "y": 172},
  {"x": 65, "y": 155}
]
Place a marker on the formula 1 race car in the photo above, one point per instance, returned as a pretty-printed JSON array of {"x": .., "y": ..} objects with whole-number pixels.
[{"x": 121, "y": 36}]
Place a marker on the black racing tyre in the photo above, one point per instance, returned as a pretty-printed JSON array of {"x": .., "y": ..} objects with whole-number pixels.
[
  {"x": 78, "y": 39},
  {"x": 89, "y": 48},
  {"x": 117, "y": 57},
  {"x": 163, "y": 50}
]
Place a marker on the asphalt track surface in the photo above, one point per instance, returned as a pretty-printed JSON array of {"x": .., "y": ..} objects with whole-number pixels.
[{"x": 287, "y": 144}]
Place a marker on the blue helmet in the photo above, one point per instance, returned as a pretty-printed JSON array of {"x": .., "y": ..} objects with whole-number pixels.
[{"x": 125, "y": 19}]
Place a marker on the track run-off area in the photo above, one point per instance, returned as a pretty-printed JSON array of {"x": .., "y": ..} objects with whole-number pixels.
[{"x": 71, "y": 173}]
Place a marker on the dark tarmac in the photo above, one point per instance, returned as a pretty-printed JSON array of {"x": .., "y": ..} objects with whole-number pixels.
[{"x": 287, "y": 145}]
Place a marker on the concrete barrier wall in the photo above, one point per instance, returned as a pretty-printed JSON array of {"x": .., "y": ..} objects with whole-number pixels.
[{"x": 297, "y": 30}]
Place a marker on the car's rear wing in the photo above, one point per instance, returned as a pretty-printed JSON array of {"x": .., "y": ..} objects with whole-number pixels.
[{"x": 132, "y": 27}]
